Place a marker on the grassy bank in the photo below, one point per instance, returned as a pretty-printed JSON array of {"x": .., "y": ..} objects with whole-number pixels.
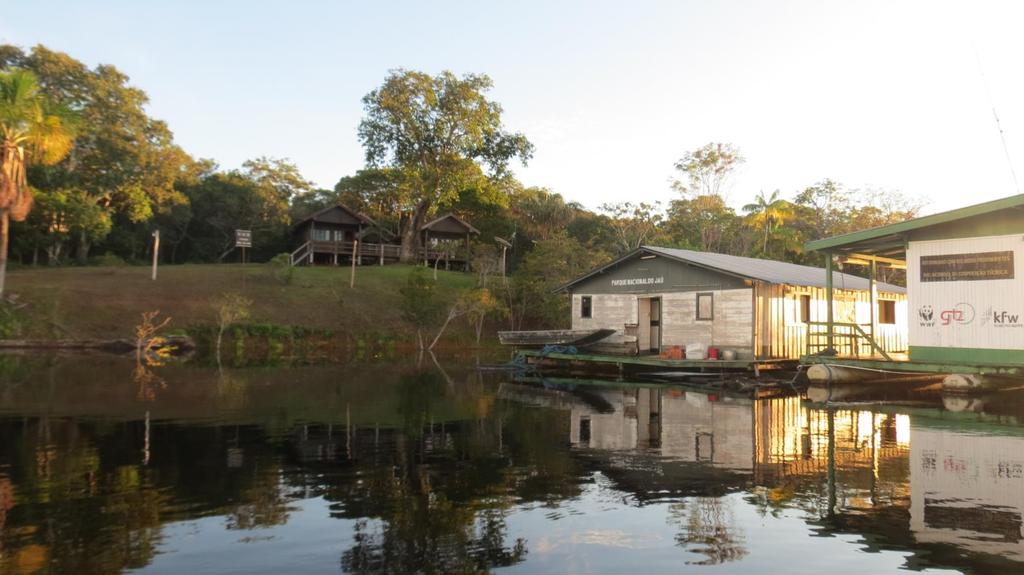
[{"x": 107, "y": 302}]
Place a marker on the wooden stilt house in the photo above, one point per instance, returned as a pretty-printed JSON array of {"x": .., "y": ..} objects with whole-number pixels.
[
  {"x": 339, "y": 233},
  {"x": 447, "y": 239}
]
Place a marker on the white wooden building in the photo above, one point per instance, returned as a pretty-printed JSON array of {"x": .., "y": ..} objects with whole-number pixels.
[
  {"x": 761, "y": 309},
  {"x": 967, "y": 299}
]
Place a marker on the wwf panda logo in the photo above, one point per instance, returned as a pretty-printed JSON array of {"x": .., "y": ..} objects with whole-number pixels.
[{"x": 927, "y": 315}]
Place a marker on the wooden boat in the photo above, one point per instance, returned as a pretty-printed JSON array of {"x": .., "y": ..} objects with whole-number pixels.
[
  {"x": 615, "y": 344},
  {"x": 574, "y": 337}
]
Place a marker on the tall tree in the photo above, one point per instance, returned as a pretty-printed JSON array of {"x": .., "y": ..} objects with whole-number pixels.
[
  {"x": 32, "y": 130},
  {"x": 768, "y": 213},
  {"x": 123, "y": 160},
  {"x": 707, "y": 171},
  {"x": 634, "y": 224},
  {"x": 440, "y": 131}
]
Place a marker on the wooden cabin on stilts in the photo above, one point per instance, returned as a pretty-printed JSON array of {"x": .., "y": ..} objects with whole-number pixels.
[{"x": 338, "y": 234}]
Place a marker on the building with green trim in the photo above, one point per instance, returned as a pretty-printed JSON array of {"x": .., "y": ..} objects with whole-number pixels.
[{"x": 965, "y": 294}]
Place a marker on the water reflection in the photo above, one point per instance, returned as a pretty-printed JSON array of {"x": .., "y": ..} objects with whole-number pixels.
[{"x": 400, "y": 468}]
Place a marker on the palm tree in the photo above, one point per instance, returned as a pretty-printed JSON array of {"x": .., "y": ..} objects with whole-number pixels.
[
  {"x": 768, "y": 213},
  {"x": 32, "y": 130}
]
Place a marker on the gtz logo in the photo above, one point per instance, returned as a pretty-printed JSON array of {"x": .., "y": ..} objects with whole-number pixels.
[{"x": 961, "y": 314}]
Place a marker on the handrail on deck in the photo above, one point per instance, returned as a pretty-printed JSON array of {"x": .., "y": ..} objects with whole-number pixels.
[
  {"x": 304, "y": 246},
  {"x": 856, "y": 334}
]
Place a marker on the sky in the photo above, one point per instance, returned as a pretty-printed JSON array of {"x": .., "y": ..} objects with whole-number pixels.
[{"x": 883, "y": 95}]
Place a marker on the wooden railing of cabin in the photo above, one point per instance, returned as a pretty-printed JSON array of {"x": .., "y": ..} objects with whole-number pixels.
[{"x": 367, "y": 251}]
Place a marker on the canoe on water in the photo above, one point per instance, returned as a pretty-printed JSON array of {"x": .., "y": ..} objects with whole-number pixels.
[{"x": 574, "y": 337}]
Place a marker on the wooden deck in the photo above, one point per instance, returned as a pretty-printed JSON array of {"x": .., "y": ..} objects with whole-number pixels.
[{"x": 631, "y": 364}]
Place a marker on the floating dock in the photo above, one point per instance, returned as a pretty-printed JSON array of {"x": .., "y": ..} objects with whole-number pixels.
[
  {"x": 959, "y": 376},
  {"x": 621, "y": 364}
]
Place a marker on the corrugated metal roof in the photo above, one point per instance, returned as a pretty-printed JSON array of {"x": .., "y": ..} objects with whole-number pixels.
[
  {"x": 771, "y": 271},
  {"x": 852, "y": 239}
]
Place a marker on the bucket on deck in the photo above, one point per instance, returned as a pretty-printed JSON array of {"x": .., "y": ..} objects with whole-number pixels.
[{"x": 712, "y": 353}]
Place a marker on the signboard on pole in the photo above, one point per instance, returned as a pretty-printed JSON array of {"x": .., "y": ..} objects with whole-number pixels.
[{"x": 243, "y": 238}]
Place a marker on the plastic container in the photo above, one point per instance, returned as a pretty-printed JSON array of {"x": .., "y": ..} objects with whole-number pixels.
[
  {"x": 696, "y": 351},
  {"x": 728, "y": 354},
  {"x": 712, "y": 353}
]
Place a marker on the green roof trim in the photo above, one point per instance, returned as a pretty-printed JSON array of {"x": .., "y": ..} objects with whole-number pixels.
[{"x": 851, "y": 239}]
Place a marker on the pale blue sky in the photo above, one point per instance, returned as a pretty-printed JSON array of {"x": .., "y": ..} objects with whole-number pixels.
[{"x": 885, "y": 94}]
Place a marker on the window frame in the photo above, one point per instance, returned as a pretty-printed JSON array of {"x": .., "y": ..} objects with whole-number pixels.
[
  {"x": 586, "y": 307},
  {"x": 697, "y": 315},
  {"x": 889, "y": 304},
  {"x": 805, "y": 309}
]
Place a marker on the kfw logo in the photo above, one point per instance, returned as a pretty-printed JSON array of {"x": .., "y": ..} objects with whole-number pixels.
[{"x": 1001, "y": 318}]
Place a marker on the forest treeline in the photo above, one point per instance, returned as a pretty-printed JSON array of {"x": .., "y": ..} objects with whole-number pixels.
[{"x": 434, "y": 144}]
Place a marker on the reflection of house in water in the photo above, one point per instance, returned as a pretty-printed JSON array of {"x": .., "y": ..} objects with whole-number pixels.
[
  {"x": 772, "y": 438},
  {"x": 968, "y": 491},
  {"x": 687, "y": 426}
]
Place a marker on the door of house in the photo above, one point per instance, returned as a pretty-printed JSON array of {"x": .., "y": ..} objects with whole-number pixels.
[{"x": 649, "y": 324}]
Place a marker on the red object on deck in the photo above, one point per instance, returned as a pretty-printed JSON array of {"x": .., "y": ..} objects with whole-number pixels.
[{"x": 712, "y": 353}]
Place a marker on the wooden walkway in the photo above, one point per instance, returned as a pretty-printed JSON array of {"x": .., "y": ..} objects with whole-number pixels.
[{"x": 631, "y": 364}]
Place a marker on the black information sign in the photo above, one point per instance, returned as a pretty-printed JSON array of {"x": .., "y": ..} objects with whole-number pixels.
[
  {"x": 243, "y": 238},
  {"x": 967, "y": 267}
]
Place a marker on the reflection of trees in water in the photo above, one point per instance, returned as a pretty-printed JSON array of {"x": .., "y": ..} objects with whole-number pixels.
[
  {"x": 147, "y": 382},
  {"x": 707, "y": 526},
  {"x": 231, "y": 390},
  {"x": 72, "y": 513},
  {"x": 421, "y": 529},
  {"x": 264, "y": 503},
  {"x": 442, "y": 498}
]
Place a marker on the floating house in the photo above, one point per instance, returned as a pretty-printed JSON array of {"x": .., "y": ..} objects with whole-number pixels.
[
  {"x": 965, "y": 296},
  {"x": 338, "y": 234},
  {"x": 759, "y": 309}
]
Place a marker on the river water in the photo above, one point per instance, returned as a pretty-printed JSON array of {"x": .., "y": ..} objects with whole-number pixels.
[{"x": 108, "y": 467}]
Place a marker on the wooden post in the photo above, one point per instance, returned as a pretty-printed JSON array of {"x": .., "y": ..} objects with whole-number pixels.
[
  {"x": 335, "y": 247},
  {"x": 352, "y": 275},
  {"x": 426, "y": 248},
  {"x": 312, "y": 245},
  {"x": 829, "y": 313},
  {"x": 381, "y": 247},
  {"x": 156, "y": 251},
  {"x": 503, "y": 268},
  {"x": 873, "y": 302}
]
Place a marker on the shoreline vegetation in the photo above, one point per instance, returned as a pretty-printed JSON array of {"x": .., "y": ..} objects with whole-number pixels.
[{"x": 315, "y": 314}]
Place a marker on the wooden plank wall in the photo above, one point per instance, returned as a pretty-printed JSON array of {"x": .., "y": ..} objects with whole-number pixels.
[
  {"x": 782, "y": 334},
  {"x": 731, "y": 327},
  {"x": 766, "y": 319}
]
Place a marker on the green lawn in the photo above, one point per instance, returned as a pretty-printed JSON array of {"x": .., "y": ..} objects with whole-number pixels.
[{"x": 106, "y": 302}]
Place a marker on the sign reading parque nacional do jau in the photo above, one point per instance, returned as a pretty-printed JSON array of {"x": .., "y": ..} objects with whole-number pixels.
[{"x": 243, "y": 238}]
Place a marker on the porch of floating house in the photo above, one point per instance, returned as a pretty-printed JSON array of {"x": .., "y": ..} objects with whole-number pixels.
[
  {"x": 338, "y": 234},
  {"x": 980, "y": 227},
  {"x": 447, "y": 228}
]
